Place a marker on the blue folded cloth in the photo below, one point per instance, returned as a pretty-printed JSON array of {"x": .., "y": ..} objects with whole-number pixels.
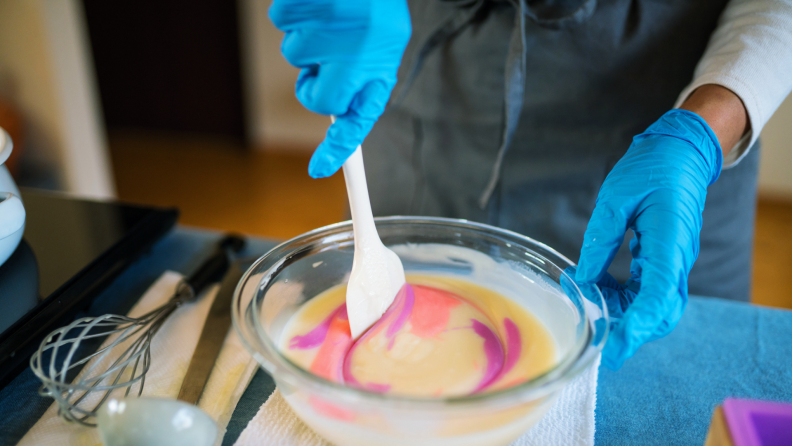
[{"x": 667, "y": 392}]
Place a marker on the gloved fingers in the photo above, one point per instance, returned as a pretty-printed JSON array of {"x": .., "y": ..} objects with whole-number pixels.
[
  {"x": 370, "y": 103},
  {"x": 300, "y": 50},
  {"x": 608, "y": 281},
  {"x": 593, "y": 300},
  {"x": 288, "y": 15},
  {"x": 618, "y": 297},
  {"x": 663, "y": 287},
  {"x": 603, "y": 237},
  {"x": 636, "y": 327},
  {"x": 349, "y": 130},
  {"x": 568, "y": 283},
  {"x": 635, "y": 264},
  {"x": 646, "y": 319},
  {"x": 341, "y": 140},
  {"x": 304, "y": 47},
  {"x": 660, "y": 258},
  {"x": 608, "y": 285},
  {"x": 328, "y": 158},
  {"x": 330, "y": 88}
]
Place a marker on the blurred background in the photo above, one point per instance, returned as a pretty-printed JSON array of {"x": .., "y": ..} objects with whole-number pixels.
[{"x": 189, "y": 104}]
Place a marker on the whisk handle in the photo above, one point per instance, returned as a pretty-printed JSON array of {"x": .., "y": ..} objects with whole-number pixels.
[{"x": 215, "y": 266}]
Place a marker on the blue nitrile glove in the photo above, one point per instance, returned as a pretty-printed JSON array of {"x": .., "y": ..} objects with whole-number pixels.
[
  {"x": 349, "y": 52},
  {"x": 658, "y": 190}
]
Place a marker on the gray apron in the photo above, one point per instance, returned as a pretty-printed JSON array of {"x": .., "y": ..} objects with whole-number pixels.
[{"x": 514, "y": 119}]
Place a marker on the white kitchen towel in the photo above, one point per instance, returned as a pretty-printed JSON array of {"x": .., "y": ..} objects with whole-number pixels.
[
  {"x": 571, "y": 419},
  {"x": 570, "y": 422},
  {"x": 171, "y": 351}
]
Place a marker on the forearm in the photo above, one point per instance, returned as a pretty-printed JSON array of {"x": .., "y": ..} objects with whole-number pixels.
[
  {"x": 724, "y": 112},
  {"x": 750, "y": 54}
]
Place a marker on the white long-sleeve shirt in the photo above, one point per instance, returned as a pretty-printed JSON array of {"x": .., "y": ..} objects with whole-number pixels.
[{"x": 750, "y": 53}]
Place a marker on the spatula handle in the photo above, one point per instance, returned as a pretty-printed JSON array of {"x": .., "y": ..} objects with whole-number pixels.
[
  {"x": 215, "y": 266},
  {"x": 359, "y": 202}
]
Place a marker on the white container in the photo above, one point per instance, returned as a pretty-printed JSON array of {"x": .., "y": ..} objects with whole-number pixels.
[{"x": 12, "y": 212}]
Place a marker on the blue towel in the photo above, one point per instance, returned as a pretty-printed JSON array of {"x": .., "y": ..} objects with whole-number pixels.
[{"x": 666, "y": 393}]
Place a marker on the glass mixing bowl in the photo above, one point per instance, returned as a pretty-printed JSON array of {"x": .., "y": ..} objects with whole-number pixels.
[{"x": 524, "y": 270}]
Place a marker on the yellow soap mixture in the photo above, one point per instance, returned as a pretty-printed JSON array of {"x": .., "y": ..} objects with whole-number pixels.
[{"x": 441, "y": 337}]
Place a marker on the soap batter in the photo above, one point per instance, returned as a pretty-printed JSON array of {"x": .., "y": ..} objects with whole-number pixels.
[{"x": 441, "y": 337}]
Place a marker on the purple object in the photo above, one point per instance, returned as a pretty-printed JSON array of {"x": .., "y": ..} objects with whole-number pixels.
[
  {"x": 758, "y": 423},
  {"x": 494, "y": 351}
]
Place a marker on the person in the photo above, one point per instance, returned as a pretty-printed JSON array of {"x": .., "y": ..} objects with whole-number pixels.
[{"x": 524, "y": 114}]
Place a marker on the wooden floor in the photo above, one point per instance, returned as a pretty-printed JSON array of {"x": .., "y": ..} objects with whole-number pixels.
[
  {"x": 221, "y": 186},
  {"x": 772, "y": 276},
  {"x": 218, "y": 185}
]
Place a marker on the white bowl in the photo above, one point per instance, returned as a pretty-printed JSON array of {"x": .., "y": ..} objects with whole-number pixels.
[{"x": 12, "y": 212}]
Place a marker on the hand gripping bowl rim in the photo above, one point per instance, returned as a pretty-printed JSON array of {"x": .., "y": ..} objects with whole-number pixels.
[{"x": 577, "y": 360}]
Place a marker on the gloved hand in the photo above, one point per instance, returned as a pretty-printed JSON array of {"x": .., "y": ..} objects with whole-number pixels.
[
  {"x": 658, "y": 190},
  {"x": 349, "y": 52}
]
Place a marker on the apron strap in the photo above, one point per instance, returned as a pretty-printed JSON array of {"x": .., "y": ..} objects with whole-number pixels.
[
  {"x": 453, "y": 25},
  {"x": 515, "y": 88}
]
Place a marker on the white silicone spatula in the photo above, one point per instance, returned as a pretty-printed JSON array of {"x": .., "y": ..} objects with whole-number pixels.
[{"x": 377, "y": 272}]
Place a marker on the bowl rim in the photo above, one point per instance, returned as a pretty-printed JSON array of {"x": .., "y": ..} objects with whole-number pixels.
[{"x": 541, "y": 385}]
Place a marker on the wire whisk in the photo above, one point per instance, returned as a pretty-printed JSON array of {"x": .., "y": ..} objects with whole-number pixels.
[{"x": 121, "y": 364}]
